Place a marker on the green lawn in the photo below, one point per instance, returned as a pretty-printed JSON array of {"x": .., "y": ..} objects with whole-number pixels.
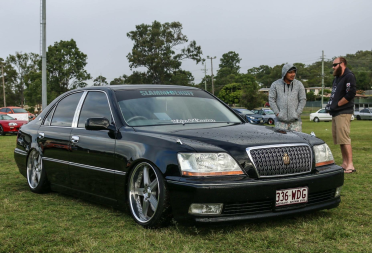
[{"x": 57, "y": 223}]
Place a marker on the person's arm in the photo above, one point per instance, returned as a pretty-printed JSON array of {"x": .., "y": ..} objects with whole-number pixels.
[
  {"x": 301, "y": 99},
  {"x": 272, "y": 99},
  {"x": 350, "y": 90}
]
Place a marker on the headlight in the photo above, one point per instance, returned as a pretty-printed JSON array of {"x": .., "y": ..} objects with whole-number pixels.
[
  {"x": 250, "y": 117},
  {"x": 12, "y": 124},
  {"x": 208, "y": 164},
  {"x": 323, "y": 155}
]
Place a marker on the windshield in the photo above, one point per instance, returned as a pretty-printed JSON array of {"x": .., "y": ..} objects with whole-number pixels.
[
  {"x": 19, "y": 110},
  {"x": 245, "y": 111},
  {"x": 6, "y": 117},
  {"x": 148, "y": 107},
  {"x": 268, "y": 111}
]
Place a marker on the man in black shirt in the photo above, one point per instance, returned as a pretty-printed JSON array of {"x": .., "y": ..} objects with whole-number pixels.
[{"x": 341, "y": 107}]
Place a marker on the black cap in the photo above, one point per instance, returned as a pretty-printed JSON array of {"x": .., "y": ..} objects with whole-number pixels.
[{"x": 293, "y": 68}]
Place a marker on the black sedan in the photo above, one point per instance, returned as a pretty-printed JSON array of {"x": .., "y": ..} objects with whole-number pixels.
[
  {"x": 249, "y": 116},
  {"x": 173, "y": 151}
]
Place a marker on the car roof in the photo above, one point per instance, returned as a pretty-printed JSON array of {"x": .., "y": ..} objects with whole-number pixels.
[
  {"x": 11, "y": 107},
  {"x": 138, "y": 86}
]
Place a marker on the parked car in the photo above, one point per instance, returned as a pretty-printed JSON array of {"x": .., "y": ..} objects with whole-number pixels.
[
  {"x": 322, "y": 115},
  {"x": 267, "y": 114},
  {"x": 172, "y": 151},
  {"x": 10, "y": 125},
  {"x": 15, "y": 110},
  {"x": 250, "y": 116},
  {"x": 364, "y": 114}
]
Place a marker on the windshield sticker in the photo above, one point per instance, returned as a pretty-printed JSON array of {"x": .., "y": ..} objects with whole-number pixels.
[
  {"x": 183, "y": 121},
  {"x": 166, "y": 93}
]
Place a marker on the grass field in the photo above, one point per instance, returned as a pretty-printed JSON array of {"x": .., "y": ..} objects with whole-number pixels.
[{"x": 57, "y": 223}]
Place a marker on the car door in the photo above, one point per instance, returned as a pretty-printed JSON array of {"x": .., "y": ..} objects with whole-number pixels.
[
  {"x": 363, "y": 114},
  {"x": 54, "y": 139},
  {"x": 92, "y": 156},
  {"x": 324, "y": 116}
]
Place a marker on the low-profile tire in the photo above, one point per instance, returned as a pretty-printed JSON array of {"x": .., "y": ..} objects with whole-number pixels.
[
  {"x": 270, "y": 121},
  {"x": 2, "y": 133},
  {"x": 148, "y": 197},
  {"x": 36, "y": 175},
  {"x": 316, "y": 119},
  {"x": 358, "y": 117}
]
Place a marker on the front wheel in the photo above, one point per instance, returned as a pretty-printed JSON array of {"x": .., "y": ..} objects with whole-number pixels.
[
  {"x": 148, "y": 196},
  {"x": 270, "y": 121},
  {"x": 36, "y": 175},
  {"x": 2, "y": 133},
  {"x": 316, "y": 119},
  {"x": 358, "y": 117}
]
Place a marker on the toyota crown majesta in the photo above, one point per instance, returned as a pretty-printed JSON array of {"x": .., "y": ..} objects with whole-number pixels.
[{"x": 173, "y": 151}]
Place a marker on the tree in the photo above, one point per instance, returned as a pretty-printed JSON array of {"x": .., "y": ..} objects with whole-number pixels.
[
  {"x": 10, "y": 80},
  {"x": 155, "y": 49},
  {"x": 100, "y": 81},
  {"x": 310, "y": 96},
  {"x": 230, "y": 61},
  {"x": 250, "y": 97},
  {"x": 65, "y": 68},
  {"x": 231, "y": 93},
  {"x": 23, "y": 64}
]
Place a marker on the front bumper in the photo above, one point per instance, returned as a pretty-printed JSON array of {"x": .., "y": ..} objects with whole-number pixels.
[
  {"x": 245, "y": 198},
  {"x": 255, "y": 121}
]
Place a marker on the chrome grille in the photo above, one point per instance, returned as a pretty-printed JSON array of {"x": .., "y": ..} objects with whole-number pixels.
[{"x": 269, "y": 162}]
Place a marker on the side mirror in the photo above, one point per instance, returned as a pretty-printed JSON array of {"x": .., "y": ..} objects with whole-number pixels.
[{"x": 98, "y": 124}]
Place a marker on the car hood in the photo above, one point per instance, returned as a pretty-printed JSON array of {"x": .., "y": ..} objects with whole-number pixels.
[{"x": 233, "y": 139}]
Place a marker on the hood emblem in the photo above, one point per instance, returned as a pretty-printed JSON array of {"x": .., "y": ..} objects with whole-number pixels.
[{"x": 286, "y": 159}]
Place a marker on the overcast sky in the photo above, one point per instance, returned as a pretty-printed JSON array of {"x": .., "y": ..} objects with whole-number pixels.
[{"x": 263, "y": 32}]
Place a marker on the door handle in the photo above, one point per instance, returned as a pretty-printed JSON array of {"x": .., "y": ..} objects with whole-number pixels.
[
  {"x": 75, "y": 139},
  {"x": 41, "y": 135}
]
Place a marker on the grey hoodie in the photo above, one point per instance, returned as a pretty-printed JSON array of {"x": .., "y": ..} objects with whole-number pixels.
[{"x": 287, "y": 101}]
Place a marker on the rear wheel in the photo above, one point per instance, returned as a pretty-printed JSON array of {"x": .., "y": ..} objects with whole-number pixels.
[
  {"x": 36, "y": 175},
  {"x": 2, "y": 130},
  {"x": 270, "y": 121},
  {"x": 316, "y": 119},
  {"x": 148, "y": 196}
]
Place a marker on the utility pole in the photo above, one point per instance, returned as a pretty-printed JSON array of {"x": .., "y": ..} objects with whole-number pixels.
[
  {"x": 43, "y": 59},
  {"x": 2, "y": 71},
  {"x": 205, "y": 75},
  {"x": 212, "y": 72},
  {"x": 321, "y": 106}
]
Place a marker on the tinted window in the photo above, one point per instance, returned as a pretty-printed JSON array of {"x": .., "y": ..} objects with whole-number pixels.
[
  {"x": 3, "y": 110},
  {"x": 8, "y": 110},
  {"x": 322, "y": 111},
  {"x": 364, "y": 110},
  {"x": 95, "y": 106},
  {"x": 64, "y": 113}
]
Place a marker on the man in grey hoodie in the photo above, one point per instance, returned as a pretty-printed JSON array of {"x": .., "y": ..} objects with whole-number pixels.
[{"x": 287, "y": 98}]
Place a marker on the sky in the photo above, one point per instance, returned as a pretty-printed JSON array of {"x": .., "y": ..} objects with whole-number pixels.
[{"x": 265, "y": 32}]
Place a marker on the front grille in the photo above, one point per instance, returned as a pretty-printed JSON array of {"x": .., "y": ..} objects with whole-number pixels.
[
  {"x": 269, "y": 161},
  {"x": 264, "y": 206}
]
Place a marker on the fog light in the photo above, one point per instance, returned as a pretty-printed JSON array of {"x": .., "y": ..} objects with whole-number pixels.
[
  {"x": 338, "y": 192},
  {"x": 205, "y": 209}
]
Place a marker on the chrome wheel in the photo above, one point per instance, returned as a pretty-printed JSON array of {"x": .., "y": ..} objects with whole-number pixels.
[
  {"x": 34, "y": 169},
  {"x": 144, "y": 192}
]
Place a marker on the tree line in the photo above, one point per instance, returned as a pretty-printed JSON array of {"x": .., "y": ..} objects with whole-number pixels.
[{"x": 160, "y": 49}]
